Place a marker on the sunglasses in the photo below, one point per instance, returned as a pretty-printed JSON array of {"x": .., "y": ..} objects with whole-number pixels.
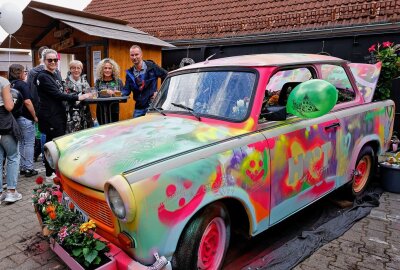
[{"x": 55, "y": 60}]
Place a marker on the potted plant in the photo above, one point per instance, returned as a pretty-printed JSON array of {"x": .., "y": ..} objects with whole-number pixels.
[
  {"x": 390, "y": 172},
  {"x": 387, "y": 53},
  {"x": 79, "y": 248},
  {"x": 44, "y": 197}
]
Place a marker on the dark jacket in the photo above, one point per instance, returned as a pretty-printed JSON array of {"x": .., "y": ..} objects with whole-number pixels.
[
  {"x": 23, "y": 88},
  {"x": 32, "y": 76},
  {"x": 51, "y": 113},
  {"x": 142, "y": 97}
]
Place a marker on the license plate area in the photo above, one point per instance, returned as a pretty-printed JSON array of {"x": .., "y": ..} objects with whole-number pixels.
[{"x": 70, "y": 205}]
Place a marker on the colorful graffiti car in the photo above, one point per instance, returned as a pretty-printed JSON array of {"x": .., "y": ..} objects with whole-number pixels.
[{"x": 218, "y": 150}]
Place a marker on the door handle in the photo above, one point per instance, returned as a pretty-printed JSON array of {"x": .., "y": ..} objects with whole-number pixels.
[{"x": 333, "y": 126}]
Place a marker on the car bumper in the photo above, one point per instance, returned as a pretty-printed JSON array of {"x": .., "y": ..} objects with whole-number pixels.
[{"x": 123, "y": 261}]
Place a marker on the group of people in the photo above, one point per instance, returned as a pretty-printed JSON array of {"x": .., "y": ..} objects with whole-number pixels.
[{"x": 55, "y": 105}]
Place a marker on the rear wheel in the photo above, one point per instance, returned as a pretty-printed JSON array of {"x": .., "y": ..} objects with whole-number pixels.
[
  {"x": 364, "y": 170},
  {"x": 205, "y": 240}
]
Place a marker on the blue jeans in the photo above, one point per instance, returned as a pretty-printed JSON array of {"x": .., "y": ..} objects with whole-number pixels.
[
  {"x": 9, "y": 149},
  {"x": 140, "y": 112},
  {"x": 27, "y": 144},
  {"x": 42, "y": 142}
]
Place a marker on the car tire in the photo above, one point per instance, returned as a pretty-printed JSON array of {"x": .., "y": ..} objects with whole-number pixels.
[
  {"x": 364, "y": 170},
  {"x": 205, "y": 240}
]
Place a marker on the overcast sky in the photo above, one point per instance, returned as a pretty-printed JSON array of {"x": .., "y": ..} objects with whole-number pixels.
[{"x": 74, "y": 4}]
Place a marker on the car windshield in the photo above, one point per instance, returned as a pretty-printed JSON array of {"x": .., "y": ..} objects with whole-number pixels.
[{"x": 220, "y": 94}]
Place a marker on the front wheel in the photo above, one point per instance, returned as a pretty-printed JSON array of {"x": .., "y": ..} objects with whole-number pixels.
[
  {"x": 205, "y": 240},
  {"x": 364, "y": 170}
]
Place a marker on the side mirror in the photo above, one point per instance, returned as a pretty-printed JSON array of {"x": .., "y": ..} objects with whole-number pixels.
[{"x": 275, "y": 113}]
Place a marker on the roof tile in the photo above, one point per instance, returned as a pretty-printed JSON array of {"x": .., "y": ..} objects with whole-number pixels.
[{"x": 184, "y": 19}]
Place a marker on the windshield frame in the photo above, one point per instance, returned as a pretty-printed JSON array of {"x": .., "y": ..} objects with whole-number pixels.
[{"x": 212, "y": 69}]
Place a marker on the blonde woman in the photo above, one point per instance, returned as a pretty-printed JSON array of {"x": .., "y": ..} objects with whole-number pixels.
[
  {"x": 78, "y": 113},
  {"x": 108, "y": 83}
]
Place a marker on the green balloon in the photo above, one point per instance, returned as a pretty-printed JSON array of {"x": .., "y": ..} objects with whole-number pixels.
[{"x": 312, "y": 99}]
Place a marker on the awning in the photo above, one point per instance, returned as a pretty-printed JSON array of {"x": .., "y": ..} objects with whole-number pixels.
[{"x": 39, "y": 19}]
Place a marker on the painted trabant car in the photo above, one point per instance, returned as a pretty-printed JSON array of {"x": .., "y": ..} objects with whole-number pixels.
[{"x": 219, "y": 151}]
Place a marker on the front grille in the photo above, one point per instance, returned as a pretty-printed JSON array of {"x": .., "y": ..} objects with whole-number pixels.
[{"x": 97, "y": 209}]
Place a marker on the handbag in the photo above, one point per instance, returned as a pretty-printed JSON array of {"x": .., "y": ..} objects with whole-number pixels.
[{"x": 8, "y": 124}]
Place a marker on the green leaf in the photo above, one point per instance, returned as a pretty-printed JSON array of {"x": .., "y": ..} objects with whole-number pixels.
[
  {"x": 91, "y": 255},
  {"x": 97, "y": 260},
  {"x": 77, "y": 251},
  {"x": 86, "y": 251},
  {"x": 100, "y": 245}
]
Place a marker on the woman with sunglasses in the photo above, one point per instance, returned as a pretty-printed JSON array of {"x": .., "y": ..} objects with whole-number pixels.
[{"x": 52, "y": 116}]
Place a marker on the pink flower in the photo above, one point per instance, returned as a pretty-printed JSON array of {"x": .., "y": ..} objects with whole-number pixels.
[
  {"x": 372, "y": 48},
  {"x": 63, "y": 233},
  {"x": 58, "y": 194},
  {"x": 41, "y": 200},
  {"x": 387, "y": 44}
]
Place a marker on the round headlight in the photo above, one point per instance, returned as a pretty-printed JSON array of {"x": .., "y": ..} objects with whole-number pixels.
[
  {"x": 51, "y": 154},
  {"x": 120, "y": 198},
  {"x": 116, "y": 203}
]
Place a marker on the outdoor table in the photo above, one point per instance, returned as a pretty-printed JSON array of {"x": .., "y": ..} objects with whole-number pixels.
[{"x": 105, "y": 104}]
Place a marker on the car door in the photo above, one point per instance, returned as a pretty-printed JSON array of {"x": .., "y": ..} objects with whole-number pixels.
[{"x": 303, "y": 165}]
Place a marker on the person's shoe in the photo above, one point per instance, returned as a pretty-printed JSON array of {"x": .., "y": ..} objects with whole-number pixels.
[
  {"x": 49, "y": 179},
  {"x": 3, "y": 196},
  {"x": 22, "y": 172},
  {"x": 13, "y": 196},
  {"x": 30, "y": 172}
]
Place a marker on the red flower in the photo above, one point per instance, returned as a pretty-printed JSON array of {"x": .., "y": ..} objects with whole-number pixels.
[
  {"x": 387, "y": 44},
  {"x": 57, "y": 180},
  {"x": 372, "y": 48},
  {"x": 39, "y": 180}
]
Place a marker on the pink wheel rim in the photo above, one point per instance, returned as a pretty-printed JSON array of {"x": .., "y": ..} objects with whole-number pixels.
[
  {"x": 362, "y": 172},
  {"x": 212, "y": 245}
]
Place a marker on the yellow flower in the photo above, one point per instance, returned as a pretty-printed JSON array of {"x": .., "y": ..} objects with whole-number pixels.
[{"x": 87, "y": 226}]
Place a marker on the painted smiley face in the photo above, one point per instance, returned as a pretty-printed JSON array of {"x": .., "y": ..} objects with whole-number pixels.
[
  {"x": 183, "y": 198},
  {"x": 256, "y": 171},
  {"x": 253, "y": 168}
]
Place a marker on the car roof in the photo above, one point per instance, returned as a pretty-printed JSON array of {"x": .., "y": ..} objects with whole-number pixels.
[{"x": 272, "y": 59}]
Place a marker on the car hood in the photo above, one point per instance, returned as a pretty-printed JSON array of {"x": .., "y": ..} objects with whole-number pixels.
[{"x": 92, "y": 156}]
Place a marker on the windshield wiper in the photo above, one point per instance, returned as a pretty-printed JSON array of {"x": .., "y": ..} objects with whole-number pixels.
[
  {"x": 158, "y": 109},
  {"x": 187, "y": 109}
]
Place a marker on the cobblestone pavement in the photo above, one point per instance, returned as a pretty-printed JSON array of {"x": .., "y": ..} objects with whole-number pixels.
[{"x": 372, "y": 243}]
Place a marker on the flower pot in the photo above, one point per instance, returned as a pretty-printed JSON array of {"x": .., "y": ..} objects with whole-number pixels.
[
  {"x": 72, "y": 264},
  {"x": 46, "y": 231},
  {"x": 390, "y": 177},
  {"x": 39, "y": 216}
]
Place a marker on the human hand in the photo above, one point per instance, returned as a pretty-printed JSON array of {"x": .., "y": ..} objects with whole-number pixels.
[
  {"x": 110, "y": 92},
  {"x": 35, "y": 119},
  {"x": 85, "y": 96}
]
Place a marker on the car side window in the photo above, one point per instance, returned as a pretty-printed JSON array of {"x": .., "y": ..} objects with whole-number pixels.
[
  {"x": 337, "y": 76},
  {"x": 281, "y": 84}
]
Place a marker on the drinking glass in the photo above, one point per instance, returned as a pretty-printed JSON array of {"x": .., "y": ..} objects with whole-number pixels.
[{"x": 94, "y": 92}]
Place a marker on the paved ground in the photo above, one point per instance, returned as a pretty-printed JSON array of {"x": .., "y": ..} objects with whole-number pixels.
[{"x": 372, "y": 243}]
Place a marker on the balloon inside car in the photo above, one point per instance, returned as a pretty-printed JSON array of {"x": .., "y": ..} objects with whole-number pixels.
[{"x": 312, "y": 99}]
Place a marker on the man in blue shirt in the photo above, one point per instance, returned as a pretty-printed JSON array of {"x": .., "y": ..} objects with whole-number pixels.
[{"x": 141, "y": 80}]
